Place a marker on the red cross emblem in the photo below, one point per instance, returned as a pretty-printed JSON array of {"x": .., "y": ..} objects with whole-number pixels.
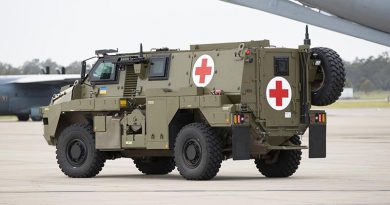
[
  {"x": 203, "y": 71},
  {"x": 278, "y": 93}
]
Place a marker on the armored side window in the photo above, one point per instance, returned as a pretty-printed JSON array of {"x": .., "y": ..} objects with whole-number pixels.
[
  {"x": 281, "y": 66},
  {"x": 104, "y": 71},
  {"x": 159, "y": 67}
]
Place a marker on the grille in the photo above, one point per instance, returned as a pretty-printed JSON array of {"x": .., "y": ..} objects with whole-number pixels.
[{"x": 130, "y": 82}]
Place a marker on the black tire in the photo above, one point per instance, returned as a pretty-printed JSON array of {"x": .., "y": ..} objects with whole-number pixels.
[
  {"x": 330, "y": 78},
  {"x": 285, "y": 165},
  {"x": 76, "y": 153},
  {"x": 198, "y": 152},
  {"x": 24, "y": 117},
  {"x": 155, "y": 165}
]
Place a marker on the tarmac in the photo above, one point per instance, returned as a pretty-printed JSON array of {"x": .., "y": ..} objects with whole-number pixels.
[{"x": 356, "y": 171}]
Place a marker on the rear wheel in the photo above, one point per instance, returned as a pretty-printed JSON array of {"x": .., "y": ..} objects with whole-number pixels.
[
  {"x": 330, "y": 78},
  {"x": 24, "y": 117},
  {"x": 198, "y": 152},
  {"x": 280, "y": 163},
  {"x": 155, "y": 165},
  {"x": 76, "y": 153}
]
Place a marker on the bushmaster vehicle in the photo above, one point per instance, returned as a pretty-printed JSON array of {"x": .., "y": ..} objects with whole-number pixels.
[{"x": 192, "y": 109}]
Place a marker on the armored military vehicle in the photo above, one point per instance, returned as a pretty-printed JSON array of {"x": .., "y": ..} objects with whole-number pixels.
[{"x": 192, "y": 109}]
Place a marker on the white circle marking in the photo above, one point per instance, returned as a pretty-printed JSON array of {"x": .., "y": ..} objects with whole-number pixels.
[
  {"x": 203, "y": 71},
  {"x": 278, "y": 93}
]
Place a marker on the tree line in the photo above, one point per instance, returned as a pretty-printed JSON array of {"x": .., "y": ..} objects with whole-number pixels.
[
  {"x": 368, "y": 74},
  {"x": 37, "y": 66},
  {"x": 363, "y": 74}
]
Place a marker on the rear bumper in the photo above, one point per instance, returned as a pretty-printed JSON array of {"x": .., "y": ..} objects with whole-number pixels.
[{"x": 246, "y": 144}]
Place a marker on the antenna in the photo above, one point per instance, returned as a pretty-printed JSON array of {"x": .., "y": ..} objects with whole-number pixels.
[
  {"x": 307, "y": 40},
  {"x": 141, "y": 52}
]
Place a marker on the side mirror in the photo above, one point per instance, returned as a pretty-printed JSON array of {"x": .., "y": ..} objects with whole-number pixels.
[{"x": 83, "y": 69}]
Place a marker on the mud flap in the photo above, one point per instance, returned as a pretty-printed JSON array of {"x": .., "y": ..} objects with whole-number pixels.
[
  {"x": 317, "y": 134},
  {"x": 241, "y": 143}
]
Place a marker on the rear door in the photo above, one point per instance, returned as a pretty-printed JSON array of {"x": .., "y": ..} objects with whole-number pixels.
[{"x": 279, "y": 87}]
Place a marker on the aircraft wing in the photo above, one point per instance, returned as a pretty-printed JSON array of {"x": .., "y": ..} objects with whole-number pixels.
[
  {"x": 364, "y": 26},
  {"x": 39, "y": 79}
]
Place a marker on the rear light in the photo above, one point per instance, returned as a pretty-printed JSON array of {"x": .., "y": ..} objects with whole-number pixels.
[
  {"x": 320, "y": 117},
  {"x": 239, "y": 118},
  {"x": 247, "y": 52}
]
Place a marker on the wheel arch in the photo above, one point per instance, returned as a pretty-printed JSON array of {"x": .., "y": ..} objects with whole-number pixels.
[
  {"x": 68, "y": 118},
  {"x": 211, "y": 116},
  {"x": 181, "y": 118}
]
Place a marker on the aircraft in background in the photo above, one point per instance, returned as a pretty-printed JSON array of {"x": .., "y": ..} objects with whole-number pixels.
[
  {"x": 368, "y": 20},
  {"x": 23, "y": 95}
]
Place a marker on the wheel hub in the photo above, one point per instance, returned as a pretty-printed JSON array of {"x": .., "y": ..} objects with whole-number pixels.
[
  {"x": 76, "y": 152},
  {"x": 319, "y": 80},
  {"x": 192, "y": 153}
]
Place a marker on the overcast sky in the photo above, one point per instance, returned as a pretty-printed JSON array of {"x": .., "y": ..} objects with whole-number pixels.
[{"x": 69, "y": 30}]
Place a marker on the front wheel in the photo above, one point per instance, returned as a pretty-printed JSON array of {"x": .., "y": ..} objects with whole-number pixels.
[
  {"x": 198, "y": 152},
  {"x": 76, "y": 153},
  {"x": 280, "y": 163}
]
